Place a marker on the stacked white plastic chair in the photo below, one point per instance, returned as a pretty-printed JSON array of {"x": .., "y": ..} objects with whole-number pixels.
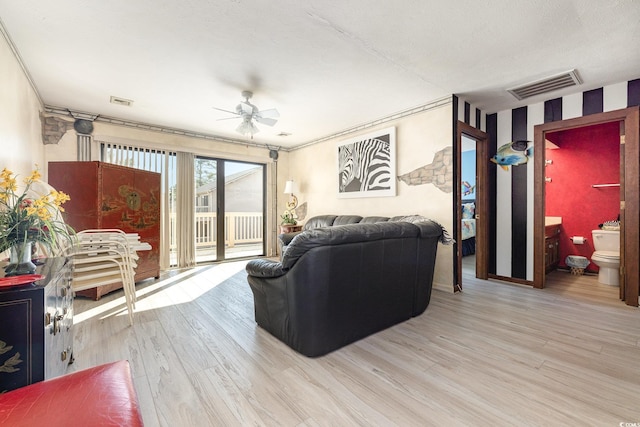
[{"x": 103, "y": 257}]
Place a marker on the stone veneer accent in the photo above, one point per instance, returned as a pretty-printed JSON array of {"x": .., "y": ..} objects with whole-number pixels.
[
  {"x": 53, "y": 128},
  {"x": 439, "y": 172}
]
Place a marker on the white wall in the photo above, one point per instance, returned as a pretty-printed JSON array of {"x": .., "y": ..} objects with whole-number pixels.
[
  {"x": 418, "y": 138},
  {"x": 20, "y": 136}
]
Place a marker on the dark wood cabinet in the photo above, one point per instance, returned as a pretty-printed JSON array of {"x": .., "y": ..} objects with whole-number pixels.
[
  {"x": 111, "y": 196},
  {"x": 36, "y": 327},
  {"x": 552, "y": 247}
]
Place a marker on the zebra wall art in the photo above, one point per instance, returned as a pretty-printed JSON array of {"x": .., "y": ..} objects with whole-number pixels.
[{"x": 366, "y": 165}]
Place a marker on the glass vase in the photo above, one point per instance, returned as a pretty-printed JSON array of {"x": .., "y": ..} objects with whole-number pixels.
[{"x": 20, "y": 260}]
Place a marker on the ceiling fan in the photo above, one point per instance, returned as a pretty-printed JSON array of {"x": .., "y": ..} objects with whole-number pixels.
[{"x": 248, "y": 112}]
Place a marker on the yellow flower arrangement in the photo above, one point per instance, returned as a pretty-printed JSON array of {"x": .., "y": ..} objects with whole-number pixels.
[{"x": 26, "y": 219}]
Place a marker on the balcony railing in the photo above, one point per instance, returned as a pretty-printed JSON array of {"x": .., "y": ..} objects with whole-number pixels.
[{"x": 239, "y": 228}]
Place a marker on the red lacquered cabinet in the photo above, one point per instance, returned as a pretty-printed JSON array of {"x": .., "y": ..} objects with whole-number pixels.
[{"x": 111, "y": 196}]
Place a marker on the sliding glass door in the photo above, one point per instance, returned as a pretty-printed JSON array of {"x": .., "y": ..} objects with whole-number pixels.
[
  {"x": 229, "y": 202},
  {"x": 229, "y": 209}
]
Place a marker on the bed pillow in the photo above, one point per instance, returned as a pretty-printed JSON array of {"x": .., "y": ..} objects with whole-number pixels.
[{"x": 468, "y": 210}]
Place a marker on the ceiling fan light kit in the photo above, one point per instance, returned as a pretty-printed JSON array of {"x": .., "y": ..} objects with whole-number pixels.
[
  {"x": 250, "y": 113},
  {"x": 247, "y": 127}
]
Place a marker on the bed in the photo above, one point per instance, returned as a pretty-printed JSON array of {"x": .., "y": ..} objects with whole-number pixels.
[{"x": 468, "y": 227}]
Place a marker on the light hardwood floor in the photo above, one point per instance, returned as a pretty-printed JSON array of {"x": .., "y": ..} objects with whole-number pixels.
[{"x": 495, "y": 355}]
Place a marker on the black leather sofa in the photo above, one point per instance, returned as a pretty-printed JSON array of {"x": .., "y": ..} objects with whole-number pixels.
[
  {"x": 338, "y": 284},
  {"x": 332, "y": 220}
]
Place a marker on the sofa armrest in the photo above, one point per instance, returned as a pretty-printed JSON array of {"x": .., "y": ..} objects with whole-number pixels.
[
  {"x": 265, "y": 268},
  {"x": 286, "y": 238},
  {"x": 428, "y": 227}
]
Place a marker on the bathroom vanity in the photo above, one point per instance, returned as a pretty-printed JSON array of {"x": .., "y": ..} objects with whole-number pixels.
[{"x": 551, "y": 243}]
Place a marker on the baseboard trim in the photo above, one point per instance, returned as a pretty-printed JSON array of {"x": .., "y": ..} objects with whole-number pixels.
[
  {"x": 511, "y": 280},
  {"x": 443, "y": 287}
]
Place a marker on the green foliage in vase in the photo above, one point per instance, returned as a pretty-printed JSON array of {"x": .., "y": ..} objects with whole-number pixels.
[
  {"x": 26, "y": 218},
  {"x": 288, "y": 218}
]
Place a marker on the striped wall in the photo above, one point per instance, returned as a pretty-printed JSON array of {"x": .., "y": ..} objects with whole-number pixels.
[{"x": 511, "y": 205}]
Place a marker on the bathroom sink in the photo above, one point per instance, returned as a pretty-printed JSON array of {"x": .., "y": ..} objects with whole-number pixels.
[{"x": 552, "y": 220}]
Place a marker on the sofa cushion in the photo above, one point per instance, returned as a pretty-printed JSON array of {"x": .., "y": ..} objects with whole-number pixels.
[
  {"x": 347, "y": 219},
  {"x": 320, "y": 221}
]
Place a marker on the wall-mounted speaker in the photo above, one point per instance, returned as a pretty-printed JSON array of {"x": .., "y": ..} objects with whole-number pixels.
[{"x": 82, "y": 126}]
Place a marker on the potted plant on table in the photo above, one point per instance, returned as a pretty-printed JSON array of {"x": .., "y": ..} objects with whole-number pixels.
[
  {"x": 29, "y": 218},
  {"x": 288, "y": 221}
]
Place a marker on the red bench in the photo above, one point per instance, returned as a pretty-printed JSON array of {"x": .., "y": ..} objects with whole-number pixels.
[{"x": 100, "y": 396}]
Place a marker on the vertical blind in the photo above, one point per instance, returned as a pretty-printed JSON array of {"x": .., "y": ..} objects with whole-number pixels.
[{"x": 153, "y": 160}]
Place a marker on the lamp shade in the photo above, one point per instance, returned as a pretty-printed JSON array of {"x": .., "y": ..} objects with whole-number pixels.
[{"x": 290, "y": 187}]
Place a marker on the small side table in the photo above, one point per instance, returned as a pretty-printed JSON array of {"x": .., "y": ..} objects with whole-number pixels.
[{"x": 290, "y": 228}]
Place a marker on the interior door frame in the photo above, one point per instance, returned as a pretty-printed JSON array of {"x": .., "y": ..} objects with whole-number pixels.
[
  {"x": 482, "y": 231},
  {"x": 629, "y": 119}
]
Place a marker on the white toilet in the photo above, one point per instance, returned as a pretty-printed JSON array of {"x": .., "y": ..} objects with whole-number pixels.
[{"x": 607, "y": 256}]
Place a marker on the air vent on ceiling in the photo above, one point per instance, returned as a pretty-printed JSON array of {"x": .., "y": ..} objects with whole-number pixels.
[
  {"x": 121, "y": 101},
  {"x": 549, "y": 84}
]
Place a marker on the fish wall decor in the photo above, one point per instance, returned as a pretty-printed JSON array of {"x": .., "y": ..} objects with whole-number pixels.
[{"x": 513, "y": 154}]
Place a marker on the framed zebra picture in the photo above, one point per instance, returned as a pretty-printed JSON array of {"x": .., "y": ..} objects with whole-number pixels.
[{"x": 367, "y": 165}]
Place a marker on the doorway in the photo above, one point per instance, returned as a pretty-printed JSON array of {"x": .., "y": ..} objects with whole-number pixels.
[
  {"x": 471, "y": 201},
  {"x": 467, "y": 214},
  {"x": 629, "y": 128},
  {"x": 229, "y": 209}
]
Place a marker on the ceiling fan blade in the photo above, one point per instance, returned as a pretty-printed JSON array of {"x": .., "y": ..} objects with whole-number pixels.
[
  {"x": 226, "y": 111},
  {"x": 269, "y": 114},
  {"x": 266, "y": 121},
  {"x": 245, "y": 108},
  {"x": 228, "y": 118}
]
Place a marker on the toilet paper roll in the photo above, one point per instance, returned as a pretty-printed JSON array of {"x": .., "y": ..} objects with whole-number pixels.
[{"x": 578, "y": 240}]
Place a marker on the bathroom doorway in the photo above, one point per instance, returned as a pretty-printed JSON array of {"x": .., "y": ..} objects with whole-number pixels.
[
  {"x": 471, "y": 232},
  {"x": 629, "y": 129}
]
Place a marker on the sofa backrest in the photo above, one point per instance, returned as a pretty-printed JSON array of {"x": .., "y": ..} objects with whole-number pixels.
[
  {"x": 321, "y": 221},
  {"x": 344, "y": 234},
  {"x": 331, "y": 220}
]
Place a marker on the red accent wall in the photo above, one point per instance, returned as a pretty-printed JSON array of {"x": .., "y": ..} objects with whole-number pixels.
[{"x": 587, "y": 156}]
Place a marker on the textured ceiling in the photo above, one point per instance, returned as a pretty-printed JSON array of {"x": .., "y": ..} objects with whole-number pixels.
[{"x": 327, "y": 66}]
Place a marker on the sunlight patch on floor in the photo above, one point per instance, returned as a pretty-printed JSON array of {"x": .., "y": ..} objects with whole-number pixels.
[
  {"x": 104, "y": 309},
  {"x": 178, "y": 289}
]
